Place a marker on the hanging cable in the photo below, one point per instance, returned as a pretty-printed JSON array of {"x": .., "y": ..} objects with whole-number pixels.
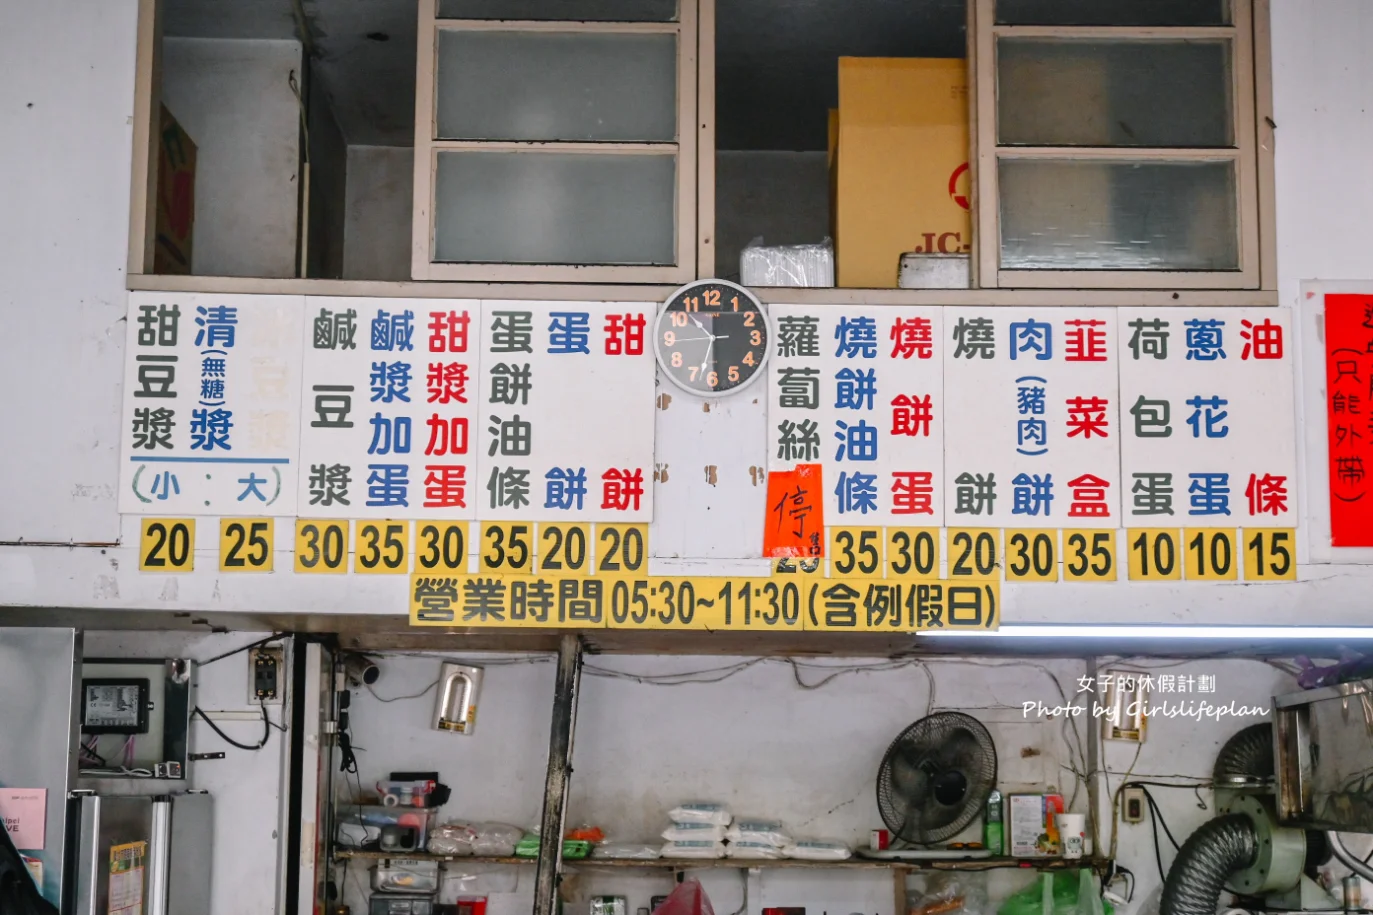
[{"x": 266, "y": 730}]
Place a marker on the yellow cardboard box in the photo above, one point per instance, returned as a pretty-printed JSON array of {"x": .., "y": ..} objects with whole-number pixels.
[{"x": 902, "y": 179}]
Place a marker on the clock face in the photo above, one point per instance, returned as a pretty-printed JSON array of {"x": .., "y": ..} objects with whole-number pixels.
[{"x": 712, "y": 337}]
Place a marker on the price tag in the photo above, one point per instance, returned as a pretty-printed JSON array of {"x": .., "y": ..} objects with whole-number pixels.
[
  {"x": 167, "y": 545},
  {"x": 972, "y": 552},
  {"x": 1270, "y": 554},
  {"x": 1031, "y": 555},
  {"x": 855, "y": 552},
  {"x": 1153, "y": 554},
  {"x": 441, "y": 546},
  {"x": 564, "y": 549},
  {"x": 1089, "y": 555},
  {"x": 1210, "y": 555},
  {"x": 507, "y": 547},
  {"x": 245, "y": 544},
  {"x": 381, "y": 547},
  {"x": 912, "y": 552},
  {"x": 321, "y": 546},
  {"x": 622, "y": 549}
]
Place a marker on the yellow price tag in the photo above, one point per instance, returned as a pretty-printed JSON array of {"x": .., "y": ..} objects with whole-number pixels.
[
  {"x": 972, "y": 552},
  {"x": 245, "y": 544},
  {"x": 321, "y": 546},
  {"x": 1031, "y": 555},
  {"x": 381, "y": 547},
  {"x": 1153, "y": 554},
  {"x": 167, "y": 545},
  {"x": 441, "y": 546},
  {"x": 564, "y": 549},
  {"x": 507, "y": 547},
  {"x": 855, "y": 552},
  {"x": 1210, "y": 555},
  {"x": 1089, "y": 555},
  {"x": 622, "y": 549},
  {"x": 912, "y": 552},
  {"x": 798, "y": 566},
  {"x": 1270, "y": 555}
]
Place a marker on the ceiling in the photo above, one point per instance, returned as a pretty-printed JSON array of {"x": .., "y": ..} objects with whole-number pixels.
[{"x": 775, "y": 59}]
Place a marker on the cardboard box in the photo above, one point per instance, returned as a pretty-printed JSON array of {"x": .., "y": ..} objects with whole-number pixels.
[
  {"x": 175, "y": 198},
  {"x": 902, "y": 179},
  {"x": 1032, "y": 826}
]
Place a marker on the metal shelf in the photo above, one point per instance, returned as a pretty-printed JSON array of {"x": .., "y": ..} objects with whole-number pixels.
[{"x": 685, "y": 864}]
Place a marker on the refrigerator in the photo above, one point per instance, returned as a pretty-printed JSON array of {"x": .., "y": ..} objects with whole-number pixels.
[{"x": 139, "y": 855}]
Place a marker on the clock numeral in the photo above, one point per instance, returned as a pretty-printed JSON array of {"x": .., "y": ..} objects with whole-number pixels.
[
  {"x": 679, "y": 319},
  {"x": 677, "y": 363},
  {"x": 712, "y": 298},
  {"x": 669, "y": 338}
]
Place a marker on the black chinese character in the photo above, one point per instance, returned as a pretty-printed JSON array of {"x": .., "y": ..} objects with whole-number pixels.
[
  {"x": 158, "y": 324},
  {"x": 156, "y": 375},
  {"x": 329, "y": 484},
  {"x": 436, "y": 597},
  {"x": 333, "y": 403},
  {"x": 512, "y": 332},
  {"x": 152, "y": 428},
  {"x": 510, "y": 383}
]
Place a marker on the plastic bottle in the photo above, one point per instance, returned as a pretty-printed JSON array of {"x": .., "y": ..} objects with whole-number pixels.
[{"x": 992, "y": 831}]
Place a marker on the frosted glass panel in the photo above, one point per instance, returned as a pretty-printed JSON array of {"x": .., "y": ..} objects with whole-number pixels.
[
  {"x": 555, "y": 208},
  {"x": 1052, "y": 92},
  {"x": 1117, "y": 215},
  {"x": 557, "y": 86},
  {"x": 1112, "y": 12},
  {"x": 565, "y": 10}
]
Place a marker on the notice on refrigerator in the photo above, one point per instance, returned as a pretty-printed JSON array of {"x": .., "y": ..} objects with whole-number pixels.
[
  {"x": 126, "y": 878},
  {"x": 25, "y": 812}
]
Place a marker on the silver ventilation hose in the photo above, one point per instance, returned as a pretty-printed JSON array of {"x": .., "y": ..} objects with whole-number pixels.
[{"x": 1205, "y": 862}]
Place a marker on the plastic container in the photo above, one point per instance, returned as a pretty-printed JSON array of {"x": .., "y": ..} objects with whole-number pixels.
[
  {"x": 405, "y": 875},
  {"x": 407, "y": 794},
  {"x": 398, "y": 829},
  {"x": 992, "y": 828}
]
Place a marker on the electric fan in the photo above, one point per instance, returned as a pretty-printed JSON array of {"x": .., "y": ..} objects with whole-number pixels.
[{"x": 935, "y": 778}]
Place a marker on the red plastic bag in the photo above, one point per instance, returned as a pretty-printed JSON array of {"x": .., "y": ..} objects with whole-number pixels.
[{"x": 687, "y": 899}]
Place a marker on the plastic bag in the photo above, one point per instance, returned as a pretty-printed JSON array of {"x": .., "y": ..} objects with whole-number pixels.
[
  {"x": 754, "y": 851},
  {"x": 637, "y": 851},
  {"x": 694, "y": 850},
  {"x": 818, "y": 850},
  {"x": 495, "y": 840},
  {"x": 687, "y": 899},
  {"x": 694, "y": 832},
  {"x": 452, "y": 839},
  {"x": 474, "y": 879},
  {"x": 710, "y": 814},
  {"x": 787, "y": 265},
  {"x": 1062, "y": 887},
  {"x": 768, "y": 831},
  {"x": 950, "y": 894}
]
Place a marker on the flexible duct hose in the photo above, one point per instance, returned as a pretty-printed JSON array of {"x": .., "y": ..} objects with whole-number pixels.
[{"x": 1206, "y": 860}]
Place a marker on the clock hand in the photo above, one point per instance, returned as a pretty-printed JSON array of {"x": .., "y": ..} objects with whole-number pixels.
[{"x": 706, "y": 361}]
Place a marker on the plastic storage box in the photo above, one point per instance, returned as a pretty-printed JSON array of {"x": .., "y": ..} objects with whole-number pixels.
[
  {"x": 405, "y": 875},
  {"x": 398, "y": 829}
]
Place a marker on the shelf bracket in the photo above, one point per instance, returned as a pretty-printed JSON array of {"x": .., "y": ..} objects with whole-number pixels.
[{"x": 565, "y": 691}]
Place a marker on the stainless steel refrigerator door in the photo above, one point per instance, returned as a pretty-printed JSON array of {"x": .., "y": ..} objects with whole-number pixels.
[{"x": 113, "y": 855}]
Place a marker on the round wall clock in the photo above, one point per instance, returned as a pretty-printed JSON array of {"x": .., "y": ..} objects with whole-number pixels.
[{"x": 712, "y": 338}]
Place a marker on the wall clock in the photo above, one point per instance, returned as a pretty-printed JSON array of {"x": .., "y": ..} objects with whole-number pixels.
[{"x": 712, "y": 338}]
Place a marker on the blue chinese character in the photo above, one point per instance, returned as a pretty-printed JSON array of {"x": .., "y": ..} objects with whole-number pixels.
[
  {"x": 390, "y": 381},
  {"x": 387, "y": 485},
  {"x": 857, "y": 337},
  {"x": 1029, "y": 398},
  {"x": 569, "y": 332},
  {"x": 390, "y": 435},
  {"x": 1032, "y": 494},
  {"x": 1032, "y": 432},
  {"x": 857, "y": 492},
  {"x": 217, "y": 324},
  {"x": 857, "y": 442},
  {"x": 210, "y": 429},
  {"x": 212, "y": 391},
  {"x": 1032, "y": 337},
  {"x": 393, "y": 332},
  {"x": 250, "y": 486},
  {"x": 164, "y": 484},
  {"x": 1213, "y": 418},
  {"x": 565, "y": 488},
  {"x": 855, "y": 389},
  {"x": 1210, "y": 493},
  {"x": 1205, "y": 339},
  {"x": 212, "y": 367}
]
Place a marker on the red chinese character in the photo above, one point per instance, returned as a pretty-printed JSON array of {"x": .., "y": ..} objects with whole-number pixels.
[
  {"x": 448, "y": 331},
  {"x": 1264, "y": 338},
  {"x": 911, "y": 415},
  {"x": 447, "y": 436},
  {"x": 621, "y": 489},
  {"x": 912, "y": 337},
  {"x": 624, "y": 335},
  {"x": 912, "y": 493},
  {"x": 1267, "y": 494},
  {"x": 445, "y": 486},
  {"x": 1085, "y": 341},
  {"x": 1087, "y": 417},
  {"x": 1089, "y": 497},
  {"x": 447, "y": 382}
]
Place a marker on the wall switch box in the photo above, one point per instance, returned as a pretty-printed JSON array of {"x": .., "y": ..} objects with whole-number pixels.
[
  {"x": 1133, "y": 801},
  {"x": 265, "y": 666}
]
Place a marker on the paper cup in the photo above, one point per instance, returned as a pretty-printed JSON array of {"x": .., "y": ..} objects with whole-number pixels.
[{"x": 1072, "y": 833}]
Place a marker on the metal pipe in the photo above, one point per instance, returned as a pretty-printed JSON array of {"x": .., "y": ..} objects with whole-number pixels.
[
  {"x": 565, "y": 693},
  {"x": 1346, "y": 857}
]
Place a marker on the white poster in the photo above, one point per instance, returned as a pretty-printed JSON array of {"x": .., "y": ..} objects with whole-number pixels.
[{"x": 211, "y": 405}]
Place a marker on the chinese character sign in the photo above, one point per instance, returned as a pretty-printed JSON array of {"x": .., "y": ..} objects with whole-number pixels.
[
  {"x": 388, "y": 406},
  {"x": 1208, "y": 434},
  {"x": 860, "y": 392},
  {"x": 1032, "y": 427},
  {"x": 563, "y": 412},
  {"x": 1349, "y": 392},
  {"x": 211, "y": 405}
]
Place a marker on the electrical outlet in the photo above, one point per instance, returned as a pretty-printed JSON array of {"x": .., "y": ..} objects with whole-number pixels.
[
  {"x": 1132, "y": 800},
  {"x": 265, "y": 667}
]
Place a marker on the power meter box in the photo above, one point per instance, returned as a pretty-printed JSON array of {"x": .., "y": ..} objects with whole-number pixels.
[{"x": 114, "y": 705}]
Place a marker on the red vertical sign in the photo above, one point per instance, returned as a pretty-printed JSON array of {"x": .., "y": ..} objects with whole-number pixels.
[{"x": 1349, "y": 412}]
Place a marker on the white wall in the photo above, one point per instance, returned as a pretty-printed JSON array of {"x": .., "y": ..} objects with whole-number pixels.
[
  {"x": 232, "y": 97},
  {"x": 377, "y": 215}
]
